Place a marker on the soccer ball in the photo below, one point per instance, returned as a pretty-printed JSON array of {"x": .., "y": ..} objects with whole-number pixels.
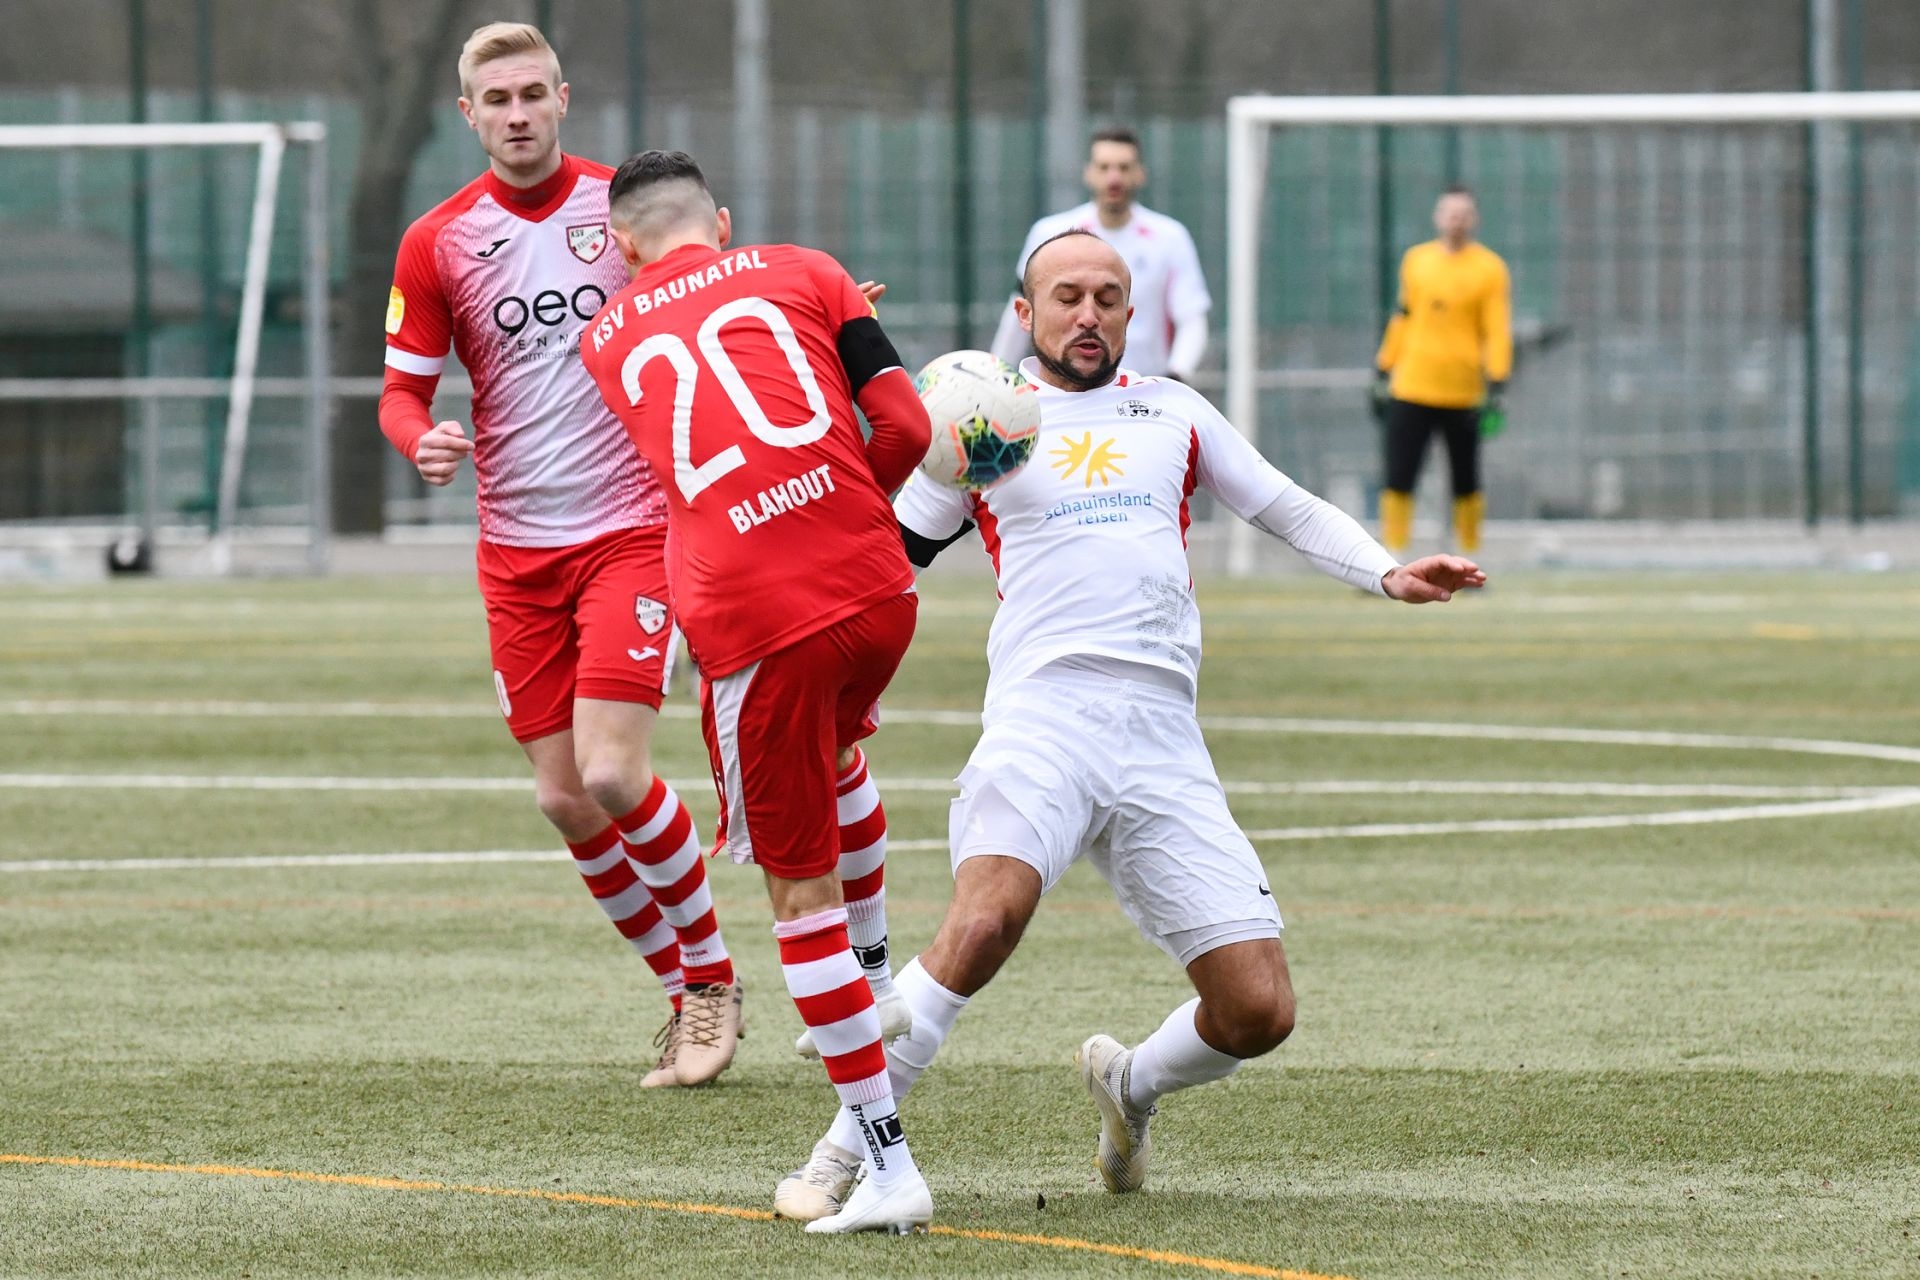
[{"x": 986, "y": 418}]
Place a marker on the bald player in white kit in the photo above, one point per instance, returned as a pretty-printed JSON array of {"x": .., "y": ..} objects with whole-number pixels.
[
  {"x": 1168, "y": 333},
  {"x": 1091, "y": 745}
]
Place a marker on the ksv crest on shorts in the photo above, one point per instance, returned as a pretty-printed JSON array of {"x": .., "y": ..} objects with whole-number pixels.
[
  {"x": 588, "y": 241},
  {"x": 651, "y": 614}
]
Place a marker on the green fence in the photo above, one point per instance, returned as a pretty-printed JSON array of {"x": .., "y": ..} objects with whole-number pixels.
[{"x": 1660, "y": 278}]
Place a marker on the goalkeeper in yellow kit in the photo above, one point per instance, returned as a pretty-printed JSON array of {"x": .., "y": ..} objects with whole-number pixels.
[{"x": 1443, "y": 365}]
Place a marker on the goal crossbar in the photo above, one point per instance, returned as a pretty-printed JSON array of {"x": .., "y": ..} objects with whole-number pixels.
[
  {"x": 272, "y": 140},
  {"x": 1250, "y": 116},
  {"x": 1578, "y": 108}
]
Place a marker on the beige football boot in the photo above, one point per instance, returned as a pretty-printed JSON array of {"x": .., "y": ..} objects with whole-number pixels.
[
  {"x": 663, "y": 1075},
  {"x": 1104, "y": 1065},
  {"x": 712, "y": 1023},
  {"x": 819, "y": 1187}
]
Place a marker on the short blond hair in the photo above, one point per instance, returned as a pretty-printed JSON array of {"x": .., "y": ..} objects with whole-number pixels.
[{"x": 503, "y": 40}]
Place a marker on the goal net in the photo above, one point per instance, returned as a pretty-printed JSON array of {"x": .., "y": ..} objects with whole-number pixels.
[
  {"x": 1716, "y": 299},
  {"x": 164, "y": 379}
]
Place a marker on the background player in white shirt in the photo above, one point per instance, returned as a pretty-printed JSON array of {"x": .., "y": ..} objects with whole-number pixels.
[
  {"x": 1168, "y": 333},
  {"x": 1091, "y": 746}
]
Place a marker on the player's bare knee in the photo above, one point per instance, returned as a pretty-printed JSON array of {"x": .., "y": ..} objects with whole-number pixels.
[
  {"x": 1273, "y": 1025},
  {"x": 989, "y": 932},
  {"x": 974, "y": 941},
  {"x": 564, "y": 807},
  {"x": 616, "y": 784},
  {"x": 1251, "y": 1030},
  {"x": 1249, "y": 1020}
]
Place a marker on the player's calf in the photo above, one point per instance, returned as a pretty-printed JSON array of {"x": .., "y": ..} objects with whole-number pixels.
[
  {"x": 836, "y": 1003},
  {"x": 1246, "y": 1006},
  {"x": 660, "y": 839},
  {"x": 862, "y": 872},
  {"x": 993, "y": 899}
]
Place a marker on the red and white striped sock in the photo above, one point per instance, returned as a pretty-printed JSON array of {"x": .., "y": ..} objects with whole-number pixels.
[
  {"x": 614, "y": 882},
  {"x": 863, "y": 868},
  {"x": 660, "y": 839},
  {"x": 837, "y": 1005}
]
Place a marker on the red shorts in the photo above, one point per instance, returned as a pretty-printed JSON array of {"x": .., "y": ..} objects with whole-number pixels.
[
  {"x": 586, "y": 621},
  {"x": 775, "y": 727}
]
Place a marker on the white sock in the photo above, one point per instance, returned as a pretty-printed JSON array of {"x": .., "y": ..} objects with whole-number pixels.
[
  {"x": 934, "y": 1011},
  {"x": 1174, "y": 1057},
  {"x": 862, "y": 869}
]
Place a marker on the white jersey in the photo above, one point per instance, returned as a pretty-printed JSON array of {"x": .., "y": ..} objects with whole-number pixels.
[
  {"x": 1089, "y": 539},
  {"x": 1168, "y": 289}
]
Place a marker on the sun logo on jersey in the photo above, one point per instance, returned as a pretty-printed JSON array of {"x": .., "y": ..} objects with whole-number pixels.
[{"x": 1099, "y": 460}]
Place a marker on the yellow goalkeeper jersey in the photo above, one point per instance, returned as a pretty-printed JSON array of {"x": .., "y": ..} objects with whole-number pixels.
[{"x": 1453, "y": 332}]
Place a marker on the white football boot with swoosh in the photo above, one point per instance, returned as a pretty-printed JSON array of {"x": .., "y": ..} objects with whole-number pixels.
[{"x": 1104, "y": 1065}]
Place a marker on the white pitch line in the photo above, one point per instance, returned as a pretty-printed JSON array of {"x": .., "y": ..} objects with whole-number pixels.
[
  {"x": 256, "y": 709},
  {"x": 971, "y": 719},
  {"x": 1822, "y": 801},
  {"x": 268, "y": 861},
  {"x": 1340, "y": 787},
  {"x": 1896, "y": 799},
  {"x": 1473, "y": 787},
  {"x": 1900, "y": 799},
  {"x": 294, "y": 782},
  {"x": 246, "y": 709},
  {"x": 1545, "y": 733}
]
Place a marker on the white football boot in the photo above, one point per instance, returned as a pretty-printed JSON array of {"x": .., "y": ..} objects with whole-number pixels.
[
  {"x": 896, "y": 1021},
  {"x": 1104, "y": 1065},
  {"x": 905, "y": 1208},
  {"x": 818, "y": 1188}
]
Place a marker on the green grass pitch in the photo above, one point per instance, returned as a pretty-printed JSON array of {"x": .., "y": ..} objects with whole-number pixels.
[{"x": 1571, "y": 1041}]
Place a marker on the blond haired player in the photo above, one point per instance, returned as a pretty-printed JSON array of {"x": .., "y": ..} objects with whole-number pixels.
[
  {"x": 572, "y": 564},
  {"x": 1442, "y": 367},
  {"x": 1091, "y": 747}
]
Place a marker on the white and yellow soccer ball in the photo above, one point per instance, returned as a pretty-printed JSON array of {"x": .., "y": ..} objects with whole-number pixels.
[{"x": 986, "y": 418}]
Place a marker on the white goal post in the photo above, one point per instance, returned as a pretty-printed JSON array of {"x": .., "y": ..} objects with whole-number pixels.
[
  {"x": 1250, "y": 118},
  {"x": 271, "y": 140}
]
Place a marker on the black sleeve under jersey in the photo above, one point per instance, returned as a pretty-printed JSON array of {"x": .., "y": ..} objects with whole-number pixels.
[
  {"x": 921, "y": 549},
  {"x": 865, "y": 351}
]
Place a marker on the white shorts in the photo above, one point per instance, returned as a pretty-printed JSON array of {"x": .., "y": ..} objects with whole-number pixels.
[{"x": 1075, "y": 764}]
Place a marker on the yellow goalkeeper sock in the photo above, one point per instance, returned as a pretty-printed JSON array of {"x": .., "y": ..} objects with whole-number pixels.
[
  {"x": 1396, "y": 519},
  {"x": 1467, "y": 513}
]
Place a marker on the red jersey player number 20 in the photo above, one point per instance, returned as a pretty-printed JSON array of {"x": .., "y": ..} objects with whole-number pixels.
[{"x": 724, "y": 366}]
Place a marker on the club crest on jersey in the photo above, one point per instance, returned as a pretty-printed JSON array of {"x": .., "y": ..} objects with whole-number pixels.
[
  {"x": 1137, "y": 409},
  {"x": 650, "y": 614},
  {"x": 587, "y": 241}
]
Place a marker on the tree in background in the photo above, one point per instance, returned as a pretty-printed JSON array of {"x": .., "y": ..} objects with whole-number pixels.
[{"x": 406, "y": 66}]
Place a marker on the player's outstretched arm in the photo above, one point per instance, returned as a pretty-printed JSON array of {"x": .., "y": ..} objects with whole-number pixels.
[{"x": 1433, "y": 579}]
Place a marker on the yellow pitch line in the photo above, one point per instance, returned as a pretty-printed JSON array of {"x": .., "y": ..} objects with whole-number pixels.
[
  {"x": 1220, "y": 1266},
  {"x": 1223, "y": 1266}
]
